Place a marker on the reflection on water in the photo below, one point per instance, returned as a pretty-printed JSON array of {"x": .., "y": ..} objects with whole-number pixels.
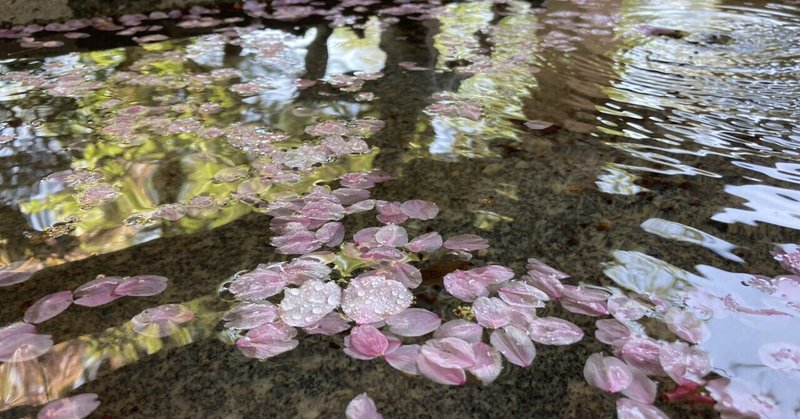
[{"x": 666, "y": 126}]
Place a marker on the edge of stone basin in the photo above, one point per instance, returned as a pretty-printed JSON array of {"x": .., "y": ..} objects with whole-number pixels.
[{"x": 22, "y": 12}]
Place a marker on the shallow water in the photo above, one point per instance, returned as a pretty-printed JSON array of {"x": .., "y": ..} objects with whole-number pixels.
[{"x": 666, "y": 164}]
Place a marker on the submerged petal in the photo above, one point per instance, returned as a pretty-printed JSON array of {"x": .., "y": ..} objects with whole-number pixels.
[
  {"x": 75, "y": 407},
  {"x": 48, "y": 307},
  {"x": 362, "y": 407},
  {"x": 466, "y": 242}
]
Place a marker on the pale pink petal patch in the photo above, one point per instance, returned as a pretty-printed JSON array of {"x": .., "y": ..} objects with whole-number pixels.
[
  {"x": 413, "y": 322},
  {"x": 683, "y": 363},
  {"x": 365, "y": 342},
  {"x": 626, "y": 309},
  {"x": 309, "y": 267},
  {"x": 612, "y": 332},
  {"x": 331, "y": 324},
  {"x": 161, "y": 321},
  {"x": 517, "y": 293},
  {"x": 141, "y": 286},
  {"x": 587, "y": 301},
  {"x": 358, "y": 207},
  {"x": 642, "y": 388},
  {"x": 789, "y": 260},
  {"x": 465, "y": 285},
  {"x": 459, "y": 328},
  {"x": 631, "y": 409},
  {"x": 419, "y": 209},
  {"x": 48, "y": 307},
  {"x": 392, "y": 236},
  {"x": 537, "y": 124},
  {"x": 268, "y": 340},
  {"x": 488, "y": 363},
  {"x": 545, "y": 278},
  {"x": 16, "y": 346},
  {"x": 449, "y": 352},
  {"x": 259, "y": 284},
  {"x": 18, "y": 328},
  {"x": 642, "y": 352},
  {"x": 97, "y": 292},
  {"x": 514, "y": 344},
  {"x": 686, "y": 325},
  {"x": 425, "y": 243},
  {"x": 780, "y": 356},
  {"x": 466, "y": 242},
  {"x": 607, "y": 373},
  {"x": 331, "y": 234},
  {"x": 347, "y": 196},
  {"x": 75, "y": 407},
  {"x": 492, "y": 313},
  {"x": 296, "y": 242},
  {"x": 17, "y": 272},
  {"x": 248, "y": 316},
  {"x": 493, "y": 274},
  {"x": 362, "y": 407},
  {"x": 390, "y": 212},
  {"x": 309, "y": 303},
  {"x": 406, "y": 273},
  {"x": 374, "y": 298},
  {"x": 554, "y": 331},
  {"x": 366, "y": 237},
  {"x": 404, "y": 358},
  {"x": 443, "y": 375}
]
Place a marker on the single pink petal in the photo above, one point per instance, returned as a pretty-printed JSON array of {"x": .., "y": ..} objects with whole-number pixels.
[
  {"x": 20, "y": 347},
  {"x": 587, "y": 295},
  {"x": 390, "y": 212},
  {"x": 631, "y": 409},
  {"x": 247, "y": 316},
  {"x": 488, "y": 363},
  {"x": 521, "y": 316},
  {"x": 626, "y": 309},
  {"x": 413, "y": 322},
  {"x": 514, "y": 344},
  {"x": 404, "y": 358},
  {"x": 491, "y": 313},
  {"x": 97, "y": 292},
  {"x": 331, "y": 234},
  {"x": 362, "y": 206},
  {"x": 48, "y": 307},
  {"x": 332, "y": 324},
  {"x": 258, "y": 284},
  {"x": 419, "y": 209},
  {"x": 465, "y": 285},
  {"x": 686, "y": 325},
  {"x": 370, "y": 299},
  {"x": 391, "y": 235},
  {"x": 268, "y": 340},
  {"x": 517, "y": 293},
  {"x": 554, "y": 331},
  {"x": 366, "y": 237},
  {"x": 607, "y": 373},
  {"x": 642, "y": 388},
  {"x": 18, "y": 328},
  {"x": 449, "y": 352},
  {"x": 612, "y": 332},
  {"x": 643, "y": 353},
  {"x": 493, "y": 274},
  {"x": 305, "y": 268},
  {"x": 349, "y": 196},
  {"x": 439, "y": 374},
  {"x": 466, "y": 242},
  {"x": 462, "y": 329},
  {"x": 365, "y": 342},
  {"x": 425, "y": 243},
  {"x": 161, "y": 321},
  {"x": 406, "y": 273},
  {"x": 362, "y": 407},
  {"x": 141, "y": 286},
  {"x": 545, "y": 278},
  {"x": 383, "y": 253},
  {"x": 16, "y": 272},
  {"x": 75, "y": 407},
  {"x": 588, "y": 308},
  {"x": 683, "y": 363},
  {"x": 309, "y": 303},
  {"x": 296, "y": 242},
  {"x": 780, "y": 356}
]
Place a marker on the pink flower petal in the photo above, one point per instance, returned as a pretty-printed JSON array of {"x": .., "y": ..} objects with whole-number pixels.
[
  {"x": 347, "y": 196},
  {"x": 686, "y": 325},
  {"x": 404, "y": 358},
  {"x": 390, "y": 212},
  {"x": 370, "y": 299},
  {"x": 683, "y": 363},
  {"x": 545, "y": 278},
  {"x": 449, "y": 352},
  {"x": 19, "y": 347},
  {"x": 780, "y": 356},
  {"x": 554, "y": 331},
  {"x": 626, "y": 309},
  {"x": 305, "y": 268},
  {"x": 331, "y": 324},
  {"x": 18, "y": 328},
  {"x": 75, "y": 407},
  {"x": 642, "y": 388},
  {"x": 465, "y": 285},
  {"x": 161, "y": 321},
  {"x": 331, "y": 234},
  {"x": 15, "y": 273},
  {"x": 362, "y": 206},
  {"x": 440, "y": 374},
  {"x": 391, "y": 235},
  {"x": 309, "y": 303},
  {"x": 141, "y": 286},
  {"x": 259, "y": 284},
  {"x": 413, "y": 322},
  {"x": 362, "y": 407},
  {"x": 631, "y": 409},
  {"x": 462, "y": 329},
  {"x": 643, "y": 353},
  {"x": 365, "y": 342},
  {"x": 488, "y": 363},
  {"x": 612, "y": 332},
  {"x": 587, "y": 308},
  {"x": 48, "y": 307},
  {"x": 247, "y": 316},
  {"x": 419, "y": 209},
  {"x": 406, "y": 274},
  {"x": 491, "y": 313},
  {"x": 466, "y": 242},
  {"x": 268, "y": 340},
  {"x": 493, "y": 274},
  {"x": 296, "y": 242},
  {"x": 607, "y": 373},
  {"x": 425, "y": 243},
  {"x": 514, "y": 344},
  {"x": 97, "y": 292},
  {"x": 521, "y": 294}
]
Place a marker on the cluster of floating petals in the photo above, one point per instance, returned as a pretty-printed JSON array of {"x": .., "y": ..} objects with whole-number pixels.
[
  {"x": 75, "y": 407},
  {"x": 105, "y": 289}
]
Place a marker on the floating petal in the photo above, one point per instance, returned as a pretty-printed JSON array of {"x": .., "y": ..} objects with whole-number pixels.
[
  {"x": 514, "y": 344},
  {"x": 268, "y": 340},
  {"x": 466, "y": 242},
  {"x": 370, "y": 299},
  {"x": 554, "y": 331},
  {"x": 365, "y": 342},
  {"x": 683, "y": 363},
  {"x": 309, "y": 303},
  {"x": 465, "y": 285},
  {"x": 48, "y": 307},
  {"x": 440, "y": 374},
  {"x": 631, "y": 409},
  {"x": 331, "y": 324},
  {"x": 259, "y": 284},
  {"x": 75, "y": 407},
  {"x": 362, "y": 407},
  {"x": 607, "y": 373},
  {"x": 425, "y": 243},
  {"x": 488, "y": 363},
  {"x": 517, "y": 293},
  {"x": 248, "y": 316},
  {"x": 686, "y": 325},
  {"x": 419, "y": 209},
  {"x": 391, "y": 235},
  {"x": 404, "y": 358},
  {"x": 161, "y": 321},
  {"x": 461, "y": 329},
  {"x": 141, "y": 286},
  {"x": 449, "y": 352},
  {"x": 492, "y": 312},
  {"x": 413, "y": 322},
  {"x": 97, "y": 292}
]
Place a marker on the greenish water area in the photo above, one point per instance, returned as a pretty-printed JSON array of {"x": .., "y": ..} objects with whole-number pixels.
[{"x": 648, "y": 149}]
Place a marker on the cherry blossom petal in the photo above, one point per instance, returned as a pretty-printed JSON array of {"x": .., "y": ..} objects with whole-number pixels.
[
  {"x": 517, "y": 293},
  {"x": 642, "y": 388},
  {"x": 459, "y": 328},
  {"x": 425, "y": 243},
  {"x": 390, "y": 212},
  {"x": 643, "y": 353},
  {"x": 347, "y": 196},
  {"x": 391, "y": 235},
  {"x": 406, "y": 273},
  {"x": 18, "y": 328},
  {"x": 141, "y": 286},
  {"x": 413, "y": 322},
  {"x": 493, "y": 274},
  {"x": 48, "y": 307},
  {"x": 370, "y": 299},
  {"x": 362, "y": 206},
  {"x": 440, "y": 374},
  {"x": 331, "y": 234},
  {"x": 588, "y": 308},
  {"x": 331, "y": 324},
  {"x": 362, "y": 407},
  {"x": 466, "y": 242},
  {"x": 259, "y": 284},
  {"x": 309, "y": 303},
  {"x": 465, "y": 285},
  {"x": 247, "y": 316},
  {"x": 75, "y": 407},
  {"x": 612, "y": 332},
  {"x": 488, "y": 363},
  {"x": 545, "y": 278},
  {"x": 631, "y": 409},
  {"x": 554, "y": 331},
  {"x": 97, "y": 292},
  {"x": 268, "y": 340},
  {"x": 780, "y": 356},
  {"x": 365, "y": 342},
  {"x": 514, "y": 344},
  {"x": 366, "y": 237},
  {"x": 14, "y": 274},
  {"x": 383, "y": 253},
  {"x": 449, "y": 352},
  {"x": 306, "y": 268},
  {"x": 686, "y": 325},
  {"x": 626, "y": 309},
  {"x": 404, "y": 358},
  {"x": 161, "y": 321},
  {"x": 683, "y": 363},
  {"x": 20, "y": 347},
  {"x": 607, "y": 373},
  {"x": 419, "y": 209},
  {"x": 492, "y": 313},
  {"x": 296, "y": 242}
]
